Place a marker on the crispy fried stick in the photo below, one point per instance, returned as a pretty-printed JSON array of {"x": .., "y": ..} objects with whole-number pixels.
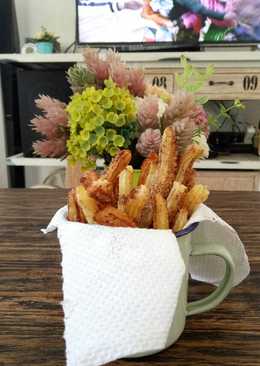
[
  {"x": 117, "y": 165},
  {"x": 149, "y": 170},
  {"x": 87, "y": 203},
  {"x": 174, "y": 200},
  {"x": 139, "y": 206},
  {"x": 125, "y": 186},
  {"x": 111, "y": 216},
  {"x": 197, "y": 195},
  {"x": 181, "y": 220},
  {"x": 160, "y": 216},
  {"x": 192, "y": 153},
  {"x": 167, "y": 163}
]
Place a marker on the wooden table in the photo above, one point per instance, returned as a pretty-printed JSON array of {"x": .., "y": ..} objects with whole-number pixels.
[{"x": 31, "y": 317}]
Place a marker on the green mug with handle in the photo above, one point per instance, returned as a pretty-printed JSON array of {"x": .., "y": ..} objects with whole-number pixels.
[{"x": 183, "y": 308}]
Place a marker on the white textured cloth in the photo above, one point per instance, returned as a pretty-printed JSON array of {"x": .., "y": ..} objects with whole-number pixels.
[
  {"x": 121, "y": 285},
  {"x": 117, "y": 297}
]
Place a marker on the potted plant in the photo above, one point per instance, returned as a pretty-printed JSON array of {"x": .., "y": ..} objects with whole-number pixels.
[{"x": 46, "y": 42}]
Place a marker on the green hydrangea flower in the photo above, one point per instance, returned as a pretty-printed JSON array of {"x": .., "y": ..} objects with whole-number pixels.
[{"x": 101, "y": 122}]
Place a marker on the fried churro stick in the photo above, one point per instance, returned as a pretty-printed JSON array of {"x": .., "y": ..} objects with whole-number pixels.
[
  {"x": 174, "y": 200},
  {"x": 111, "y": 216},
  {"x": 72, "y": 206},
  {"x": 74, "y": 211},
  {"x": 102, "y": 190},
  {"x": 89, "y": 178},
  {"x": 167, "y": 163},
  {"x": 117, "y": 165},
  {"x": 139, "y": 207},
  {"x": 88, "y": 204},
  {"x": 181, "y": 220},
  {"x": 125, "y": 186},
  {"x": 160, "y": 216},
  {"x": 197, "y": 195},
  {"x": 149, "y": 170},
  {"x": 192, "y": 153},
  {"x": 190, "y": 177}
]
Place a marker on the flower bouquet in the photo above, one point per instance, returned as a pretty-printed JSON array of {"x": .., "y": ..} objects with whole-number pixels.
[{"x": 113, "y": 108}]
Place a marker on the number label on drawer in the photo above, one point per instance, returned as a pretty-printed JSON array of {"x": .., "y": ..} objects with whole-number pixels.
[
  {"x": 162, "y": 80},
  {"x": 250, "y": 82}
]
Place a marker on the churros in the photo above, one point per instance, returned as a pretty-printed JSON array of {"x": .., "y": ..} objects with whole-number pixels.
[
  {"x": 181, "y": 220},
  {"x": 117, "y": 165},
  {"x": 138, "y": 206},
  {"x": 160, "y": 216},
  {"x": 87, "y": 204},
  {"x": 197, "y": 195},
  {"x": 174, "y": 200},
  {"x": 111, "y": 216},
  {"x": 124, "y": 185},
  {"x": 167, "y": 163},
  {"x": 192, "y": 153},
  {"x": 165, "y": 197},
  {"x": 149, "y": 171}
]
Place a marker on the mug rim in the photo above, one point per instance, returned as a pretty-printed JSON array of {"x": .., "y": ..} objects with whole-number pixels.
[{"x": 187, "y": 230}]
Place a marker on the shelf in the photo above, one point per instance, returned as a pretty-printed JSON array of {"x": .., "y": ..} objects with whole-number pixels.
[
  {"x": 20, "y": 160},
  {"x": 229, "y": 162}
]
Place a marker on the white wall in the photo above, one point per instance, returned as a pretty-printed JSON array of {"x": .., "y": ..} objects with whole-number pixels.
[{"x": 57, "y": 16}]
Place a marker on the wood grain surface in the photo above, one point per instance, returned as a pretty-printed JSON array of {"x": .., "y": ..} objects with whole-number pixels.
[{"x": 31, "y": 317}]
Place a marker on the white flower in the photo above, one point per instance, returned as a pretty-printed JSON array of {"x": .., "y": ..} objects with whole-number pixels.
[
  {"x": 161, "y": 108},
  {"x": 202, "y": 141}
]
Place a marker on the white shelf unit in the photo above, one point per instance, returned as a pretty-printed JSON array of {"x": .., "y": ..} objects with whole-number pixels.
[{"x": 20, "y": 160}]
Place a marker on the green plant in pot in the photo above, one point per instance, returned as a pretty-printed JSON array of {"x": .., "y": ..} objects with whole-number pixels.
[{"x": 46, "y": 42}]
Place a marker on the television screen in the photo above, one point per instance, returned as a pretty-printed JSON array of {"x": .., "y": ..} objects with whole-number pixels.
[{"x": 102, "y": 22}]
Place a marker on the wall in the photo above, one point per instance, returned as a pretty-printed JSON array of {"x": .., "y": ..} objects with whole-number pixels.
[{"x": 57, "y": 16}]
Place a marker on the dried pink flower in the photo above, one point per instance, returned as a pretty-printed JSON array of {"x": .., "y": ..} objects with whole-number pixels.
[
  {"x": 136, "y": 82},
  {"x": 44, "y": 126},
  {"x": 147, "y": 112},
  {"x": 52, "y": 125},
  {"x": 44, "y": 102},
  {"x": 149, "y": 141},
  {"x": 53, "y": 148},
  {"x": 97, "y": 65},
  {"x": 200, "y": 118},
  {"x": 119, "y": 74},
  {"x": 180, "y": 105}
]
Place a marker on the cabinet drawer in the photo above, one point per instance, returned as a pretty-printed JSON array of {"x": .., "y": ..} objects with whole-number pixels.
[
  {"x": 229, "y": 181},
  {"x": 161, "y": 78},
  {"x": 230, "y": 85}
]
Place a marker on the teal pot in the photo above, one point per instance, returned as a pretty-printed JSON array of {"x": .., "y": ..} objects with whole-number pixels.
[
  {"x": 185, "y": 309},
  {"x": 44, "y": 47}
]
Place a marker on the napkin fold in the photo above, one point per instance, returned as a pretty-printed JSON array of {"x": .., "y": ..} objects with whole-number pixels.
[{"x": 121, "y": 285}]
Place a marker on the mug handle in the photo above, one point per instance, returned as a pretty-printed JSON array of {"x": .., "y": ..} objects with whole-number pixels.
[{"x": 224, "y": 287}]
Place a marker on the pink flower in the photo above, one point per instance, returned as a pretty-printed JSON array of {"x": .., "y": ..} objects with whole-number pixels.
[
  {"x": 136, "y": 84},
  {"x": 96, "y": 64},
  {"x": 44, "y": 126},
  {"x": 119, "y": 74},
  {"x": 199, "y": 116},
  {"x": 52, "y": 125},
  {"x": 147, "y": 112},
  {"x": 45, "y": 103},
  {"x": 54, "y": 148},
  {"x": 149, "y": 141}
]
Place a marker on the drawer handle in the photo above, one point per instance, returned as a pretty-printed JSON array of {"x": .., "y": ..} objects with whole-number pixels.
[{"x": 229, "y": 83}]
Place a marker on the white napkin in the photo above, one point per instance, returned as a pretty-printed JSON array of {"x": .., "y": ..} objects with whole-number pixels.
[
  {"x": 121, "y": 285},
  {"x": 120, "y": 289}
]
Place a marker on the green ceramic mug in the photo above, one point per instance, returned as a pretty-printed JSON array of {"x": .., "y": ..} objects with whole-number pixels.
[{"x": 185, "y": 309}]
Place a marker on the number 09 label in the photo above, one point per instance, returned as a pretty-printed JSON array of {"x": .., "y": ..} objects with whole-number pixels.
[{"x": 162, "y": 80}]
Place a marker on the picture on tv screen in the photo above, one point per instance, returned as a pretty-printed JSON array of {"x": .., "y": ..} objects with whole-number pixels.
[{"x": 180, "y": 21}]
